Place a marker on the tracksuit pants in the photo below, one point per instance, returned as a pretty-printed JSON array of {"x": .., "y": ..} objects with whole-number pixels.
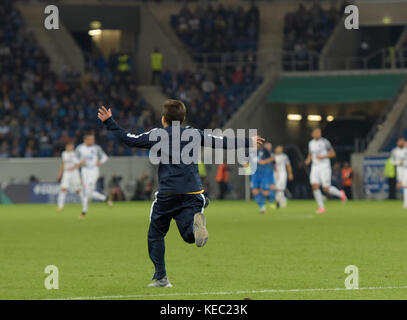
[{"x": 181, "y": 208}]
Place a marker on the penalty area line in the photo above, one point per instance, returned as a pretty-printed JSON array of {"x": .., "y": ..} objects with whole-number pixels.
[{"x": 175, "y": 294}]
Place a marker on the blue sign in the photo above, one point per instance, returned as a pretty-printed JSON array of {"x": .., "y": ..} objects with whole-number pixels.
[
  {"x": 47, "y": 192},
  {"x": 374, "y": 181}
]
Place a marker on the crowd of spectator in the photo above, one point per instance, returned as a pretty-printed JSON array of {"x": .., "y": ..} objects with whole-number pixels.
[
  {"x": 229, "y": 38},
  {"x": 217, "y": 30},
  {"x": 211, "y": 96},
  {"x": 305, "y": 33},
  {"x": 40, "y": 111}
]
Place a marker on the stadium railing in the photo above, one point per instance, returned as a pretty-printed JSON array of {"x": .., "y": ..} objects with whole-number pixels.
[
  {"x": 380, "y": 59},
  {"x": 362, "y": 144}
]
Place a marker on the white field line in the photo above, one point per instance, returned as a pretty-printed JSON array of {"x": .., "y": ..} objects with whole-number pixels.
[{"x": 224, "y": 293}]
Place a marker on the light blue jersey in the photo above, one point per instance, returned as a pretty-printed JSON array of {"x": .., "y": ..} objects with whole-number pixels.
[{"x": 263, "y": 177}]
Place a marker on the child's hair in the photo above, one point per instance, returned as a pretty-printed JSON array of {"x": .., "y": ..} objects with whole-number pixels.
[{"x": 174, "y": 110}]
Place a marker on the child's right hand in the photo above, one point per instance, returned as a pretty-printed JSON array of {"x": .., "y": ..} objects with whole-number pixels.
[{"x": 104, "y": 114}]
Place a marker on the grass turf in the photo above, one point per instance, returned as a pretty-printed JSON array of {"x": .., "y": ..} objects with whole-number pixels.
[{"x": 106, "y": 254}]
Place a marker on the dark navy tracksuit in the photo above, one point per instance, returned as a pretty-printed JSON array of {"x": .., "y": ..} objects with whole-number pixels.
[{"x": 180, "y": 191}]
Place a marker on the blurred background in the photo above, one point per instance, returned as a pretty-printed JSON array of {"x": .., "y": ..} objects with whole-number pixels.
[{"x": 281, "y": 66}]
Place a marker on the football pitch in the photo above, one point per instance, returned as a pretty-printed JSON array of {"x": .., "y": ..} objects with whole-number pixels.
[{"x": 285, "y": 254}]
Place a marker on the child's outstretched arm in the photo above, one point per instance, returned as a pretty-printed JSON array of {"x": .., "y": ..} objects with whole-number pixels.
[
  {"x": 224, "y": 142},
  {"x": 131, "y": 140}
]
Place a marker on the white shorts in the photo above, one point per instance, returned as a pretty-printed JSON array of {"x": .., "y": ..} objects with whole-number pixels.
[
  {"x": 89, "y": 179},
  {"x": 321, "y": 175},
  {"x": 401, "y": 174},
  {"x": 71, "y": 180},
  {"x": 281, "y": 181}
]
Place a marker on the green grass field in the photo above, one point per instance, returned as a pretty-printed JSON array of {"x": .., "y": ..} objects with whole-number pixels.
[{"x": 286, "y": 254}]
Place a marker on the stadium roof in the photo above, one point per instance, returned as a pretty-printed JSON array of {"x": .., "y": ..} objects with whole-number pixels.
[{"x": 336, "y": 89}]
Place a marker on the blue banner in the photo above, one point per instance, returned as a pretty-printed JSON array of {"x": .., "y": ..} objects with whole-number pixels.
[
  {"x": 374, "y": 181},
  {"x": 47, "y": 192}
]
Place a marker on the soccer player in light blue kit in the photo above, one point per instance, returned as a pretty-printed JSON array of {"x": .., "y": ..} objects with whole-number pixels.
[
  {"x": 270, "y": 176},
  {"x": 260, "y": 181}
]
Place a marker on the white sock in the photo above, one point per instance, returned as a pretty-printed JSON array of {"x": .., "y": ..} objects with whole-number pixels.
[
  {"x": 334, "y": 192},
  {"x": 61, "y": 199},
  {"x": 318, "y": 198},
  {"x": 84, "y": 199},
  {"x": 98, "y": 196},
  {"x": 405, "y": 197}
]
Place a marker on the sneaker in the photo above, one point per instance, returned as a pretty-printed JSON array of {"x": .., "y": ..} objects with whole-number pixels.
[
  {"x": 199, "y": 228},
  {"x": 321, "y": 210},
  {"x": 82, "y": 216},
  {"x": 262, "y": 210},
  {"x": 274, "y": 205},
  {"x": 343, "y": 197},
  {"x": 161, "y": 283}
]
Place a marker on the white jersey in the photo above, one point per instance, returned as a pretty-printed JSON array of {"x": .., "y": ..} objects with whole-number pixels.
[
  {"x": 69, "y": 160},
  {"x": 70, "y": 178},
  {"x": 320, "y": 147},
  {"x": 398, "y": 156},
  {"x": 281, "y": 161},
  {"x": 92, "y": 155},
  {"x": 404, "y": 158}
]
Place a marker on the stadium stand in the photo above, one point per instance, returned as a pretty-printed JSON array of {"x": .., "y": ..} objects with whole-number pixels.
[
  {"x": 305, "y": 33},
  {"x": 219, "y": 30},
  {"x": 212, "y": 97},
  {"x": 40, "y": 111},
  {"x": 229, "y": 58}
]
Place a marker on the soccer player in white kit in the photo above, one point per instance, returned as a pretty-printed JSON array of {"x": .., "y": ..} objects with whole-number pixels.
[
  {"x": 68, "y": 174},
  {"x": 91, "y": 157},
  {"x": 283, "y": 170},
  {"x": 320, "y": 152},
  {"x": 404, "y": 181},
  {"x": 397, "y": 157}
]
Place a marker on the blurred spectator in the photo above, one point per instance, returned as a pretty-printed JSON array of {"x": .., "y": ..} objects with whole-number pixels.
[
  {"x": 156, "y": 66},
  {"x": 124, "y": 64},
  {"x": 33, "y": 179},
  {"x": 390, "y": 175},
  {"x": 222, "y": 178},
  {"x": 347, "y": 179},
  {"x": 336, "y": 175},
  {"x": 144, "y": 188},
  {"x": 301, "y": 181},
  {"x": 115, "y": 190}
]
